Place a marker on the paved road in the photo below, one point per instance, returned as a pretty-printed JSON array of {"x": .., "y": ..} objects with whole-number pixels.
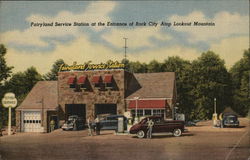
[{"x": 201, "y": 142}]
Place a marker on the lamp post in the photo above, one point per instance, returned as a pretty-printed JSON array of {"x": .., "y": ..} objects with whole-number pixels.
[
  {"x": 215, "y": 105},
  {"x": 215, "y": 114},
  {"x": 136, "y": 106}
]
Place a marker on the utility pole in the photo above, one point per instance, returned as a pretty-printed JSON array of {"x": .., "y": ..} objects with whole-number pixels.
[
  {"x": 125, "y": 53},
  {"x": 125, "y": 48}
]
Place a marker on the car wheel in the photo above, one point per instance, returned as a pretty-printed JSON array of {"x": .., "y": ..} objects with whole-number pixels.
[
  {"x": 140, "y": 134},
  {"x": 177, "y": 132}
]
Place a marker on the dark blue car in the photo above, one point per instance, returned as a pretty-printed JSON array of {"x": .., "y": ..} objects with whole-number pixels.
[
  {"x": 230, "y": 120},
  {"x": 110, "y": 122}
]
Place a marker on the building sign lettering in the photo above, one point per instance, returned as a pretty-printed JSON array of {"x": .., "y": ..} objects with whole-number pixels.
[{"x": 86, "y": 67}]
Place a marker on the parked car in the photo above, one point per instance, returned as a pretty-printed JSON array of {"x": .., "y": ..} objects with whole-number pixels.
[
  {"x": 230, "y": 120},
  {"x": 74, "y": 122},
  {"x": 160, "y": 126},
  {"x": 110, "y": 122}
]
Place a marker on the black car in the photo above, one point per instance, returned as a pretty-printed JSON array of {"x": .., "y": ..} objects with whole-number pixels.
[
  {"x": 110, "y": 122},
  {"x": 230, "y": 120},
  {"x": 74, "y": 122}
]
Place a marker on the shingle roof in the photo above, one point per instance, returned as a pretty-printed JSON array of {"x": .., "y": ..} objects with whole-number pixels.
[
  {"x": 45, "y": 91},
  {"x": 152, "y": 85}
]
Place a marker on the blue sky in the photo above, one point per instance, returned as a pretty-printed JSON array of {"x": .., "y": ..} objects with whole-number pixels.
[{"x": 40, "y": 47}]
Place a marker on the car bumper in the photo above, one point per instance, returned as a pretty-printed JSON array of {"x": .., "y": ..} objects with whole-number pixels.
[
  {"x": 229, "y": 124},
  {"x": 67, "y": 128}
]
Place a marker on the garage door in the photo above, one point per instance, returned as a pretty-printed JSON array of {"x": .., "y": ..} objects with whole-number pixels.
[{"x": 32, "y": 121}]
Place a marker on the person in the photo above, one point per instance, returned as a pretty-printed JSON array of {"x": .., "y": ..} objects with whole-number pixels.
[
  {"x": 52, "y": 125},
  {"x": 98, "y": 125},
  {"x": 90, "y": 128},
  {"x": 150, "y": 128}
]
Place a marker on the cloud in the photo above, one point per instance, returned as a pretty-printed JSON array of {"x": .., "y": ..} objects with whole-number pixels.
[
  {"x": 82, "y": 50},
  {"x": 226, "y": 24},
  {"x": 163, "y": 53},
  {"x": 138, "y": 37},
  {"x": 231, "y": 49},
  {"x": 35, "y": 36}
]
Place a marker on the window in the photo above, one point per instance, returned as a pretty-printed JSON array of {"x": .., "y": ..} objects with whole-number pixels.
[
  {"x": 72, "y": 82},
  {"x": 158, "y": 112},
  {"x": 139, "y": 112},
  {"x": 82, "y": 81},
  {"x": 148, "y": 112},
  {"x": 108, "y": 80},
  {"x": 109, "y": 85}
]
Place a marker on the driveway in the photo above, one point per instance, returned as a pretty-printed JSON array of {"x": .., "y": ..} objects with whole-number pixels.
[{"x": 200, "y": 142}]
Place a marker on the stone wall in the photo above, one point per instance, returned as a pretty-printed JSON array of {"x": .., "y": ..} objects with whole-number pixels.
[{"x": 93, "y": 95}]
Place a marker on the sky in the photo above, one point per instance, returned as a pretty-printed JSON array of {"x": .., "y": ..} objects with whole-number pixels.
[{"x": 28, "y": 45}]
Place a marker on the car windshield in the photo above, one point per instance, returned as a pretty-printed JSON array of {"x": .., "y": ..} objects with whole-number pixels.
[
  {"x": 69, "y": 122},
  {"x": 231, "y": 118}
]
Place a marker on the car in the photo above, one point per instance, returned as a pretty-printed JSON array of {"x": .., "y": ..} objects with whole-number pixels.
[
  {"x": 176, "y": 127},
  {"x": 230, "y": 120},
  {"x": 74, "y": 122},
  {"x": 110, "y": 122}
]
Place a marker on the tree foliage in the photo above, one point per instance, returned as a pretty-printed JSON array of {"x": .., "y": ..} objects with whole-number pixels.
[
  {"x": 52, "y": 75},
  {"x": 240, "y": 73},
  {"x": 182, "y": 69},
  {"x": 210, "y": 80},
  {"x": 20, "y": 84},
  {"x": 4, "y": 69}
]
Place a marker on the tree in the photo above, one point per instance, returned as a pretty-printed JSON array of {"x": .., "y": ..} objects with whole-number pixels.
[
  {"x": 52, "y": 75},
  {"x": 182, "y": 69},
  {"x": 210, "y": 80},
  {"x": 240, "y": 73},
  {"x": 20, "y": 83},
  {"x": 154, "y": 66},
  {"x": 138, "y": 67},
  {"x": 5, "y": 71}
]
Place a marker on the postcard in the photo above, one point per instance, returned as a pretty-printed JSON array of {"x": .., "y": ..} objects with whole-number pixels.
[{"x": 128, "y": 80}]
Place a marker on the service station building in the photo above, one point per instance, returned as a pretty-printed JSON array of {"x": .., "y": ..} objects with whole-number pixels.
[{"x": 93, "y": 92}]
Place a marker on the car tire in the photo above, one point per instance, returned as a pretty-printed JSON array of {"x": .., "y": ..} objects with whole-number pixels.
[
  {"x": 140, "y": 134},
  {"x": 177, "y": 132}
]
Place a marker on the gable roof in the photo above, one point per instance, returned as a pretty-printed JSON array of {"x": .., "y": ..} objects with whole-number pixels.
[
  {"x": 152, "y": 85},
  {"x": 43, "y": 95}
]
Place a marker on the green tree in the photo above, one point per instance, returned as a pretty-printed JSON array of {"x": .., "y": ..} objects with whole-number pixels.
[
  {"x": 154, "y": 66},
  {"x": 52, "y": 75},
  {"x": 20, "y": 83},
  {"x": 240, "y": 73},
  {"x": 5, "y": 71},
  {"x": 182, "y": 69},
  {"x": 210, "y": 80},
  {"x": 138, "y": 67}
]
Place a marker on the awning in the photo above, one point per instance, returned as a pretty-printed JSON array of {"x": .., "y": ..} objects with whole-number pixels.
[
  {"x": 147, "y": 104},
  {"x": 82, "y": 80},
  {"x": 108, "y": 78},
  {"x": 71, "y": 80},
  {"x": 96, "y": 79}
]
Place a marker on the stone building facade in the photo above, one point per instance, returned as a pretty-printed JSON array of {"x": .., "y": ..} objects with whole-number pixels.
[
  {"x": 95, "y": 97},
  {"x": 95, "y": 92}
]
